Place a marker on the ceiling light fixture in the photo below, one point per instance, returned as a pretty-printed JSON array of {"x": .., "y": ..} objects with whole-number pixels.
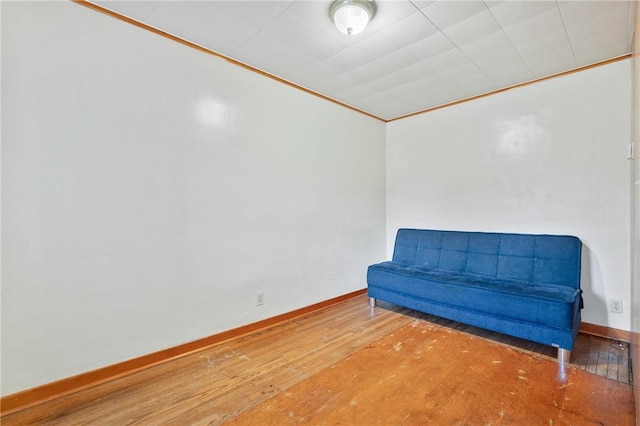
[{"x": 352, "y": 16}]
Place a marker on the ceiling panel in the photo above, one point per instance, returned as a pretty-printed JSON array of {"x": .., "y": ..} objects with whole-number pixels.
[
  {"x": 477, "y": 26},
  {"x": 509, "y": 13},
  {"x": 410, "y": 30},
  {"x": 533, "y": 27},
  {"x": 431, "y": 46},
  {"x": 414, "y": 55},
  {"x": 447, "y": 13}
]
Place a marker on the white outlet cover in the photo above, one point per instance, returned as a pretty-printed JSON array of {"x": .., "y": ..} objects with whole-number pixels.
[{"x": 616, "y": 306}]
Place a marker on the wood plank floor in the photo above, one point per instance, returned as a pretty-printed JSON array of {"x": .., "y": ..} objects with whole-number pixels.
[
  {"x": 604, "y": 357},
  {"x": 237, "y": 380}
]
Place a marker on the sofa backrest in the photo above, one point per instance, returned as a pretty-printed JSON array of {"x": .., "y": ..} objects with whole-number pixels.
[{"x": 542, "y": 259}]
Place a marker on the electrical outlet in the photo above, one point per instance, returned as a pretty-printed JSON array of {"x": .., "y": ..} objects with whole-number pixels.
[
  {"x": 259, "y": 299},
  {"x": 616, "y": 306}
]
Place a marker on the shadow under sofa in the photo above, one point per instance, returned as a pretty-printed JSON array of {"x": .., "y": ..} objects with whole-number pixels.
[{"x": 523, "y": 285}]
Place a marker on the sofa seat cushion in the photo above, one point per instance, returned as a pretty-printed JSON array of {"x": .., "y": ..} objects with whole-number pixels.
[{"x": 551, "y": 305}]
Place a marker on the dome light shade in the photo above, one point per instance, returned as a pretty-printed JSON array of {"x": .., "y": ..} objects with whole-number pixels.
[{"x": 352, "y": 16}]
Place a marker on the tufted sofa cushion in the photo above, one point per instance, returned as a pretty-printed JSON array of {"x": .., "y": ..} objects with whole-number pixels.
[
  {"x": 540, "y": 259},
  {"x": 539, "y": 303}
]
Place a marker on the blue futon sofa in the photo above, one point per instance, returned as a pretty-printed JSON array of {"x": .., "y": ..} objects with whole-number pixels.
[{"x": 523, "y": 285}]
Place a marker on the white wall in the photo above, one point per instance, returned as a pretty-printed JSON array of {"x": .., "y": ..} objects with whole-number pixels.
[
  {"x": 545, "y": 158},
  {"x": 150, "y": 191},
  {"x": 635, "y": 214}
]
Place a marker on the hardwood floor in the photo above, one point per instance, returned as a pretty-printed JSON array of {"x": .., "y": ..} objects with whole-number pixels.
[
  {"x": 338, "y": 363},
  {"x": 604, "y": 357}
]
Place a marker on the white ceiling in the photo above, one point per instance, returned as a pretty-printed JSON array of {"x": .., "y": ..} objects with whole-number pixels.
[{"x": 414, "y": 55}]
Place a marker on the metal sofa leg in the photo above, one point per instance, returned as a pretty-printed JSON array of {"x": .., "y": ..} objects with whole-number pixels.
[
  {"x": 564, "y": 356},
  {"x": 373, "y": 302}
]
